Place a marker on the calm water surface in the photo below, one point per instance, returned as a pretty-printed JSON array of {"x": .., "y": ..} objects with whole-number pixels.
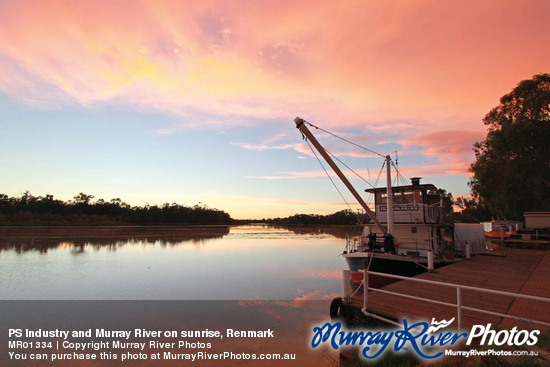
[{"x": 220, "y": 263}]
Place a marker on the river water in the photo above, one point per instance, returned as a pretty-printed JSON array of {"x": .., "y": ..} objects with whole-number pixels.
[
  {"x": 252, "y": 262},
  {"x": 252, "y": 277}
]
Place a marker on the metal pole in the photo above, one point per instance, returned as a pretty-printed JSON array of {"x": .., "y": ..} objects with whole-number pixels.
[
  {"x": 365, "y": 289},
  {"x": 389, "y": 193},
  {"x": 304, "y": 129},
  {"x": 459, "y": 307}
]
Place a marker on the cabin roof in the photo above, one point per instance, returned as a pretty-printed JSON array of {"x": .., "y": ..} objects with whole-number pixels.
[{"x": 403, "y": 188}]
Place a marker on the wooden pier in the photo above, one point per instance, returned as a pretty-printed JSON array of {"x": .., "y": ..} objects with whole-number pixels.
[{"x": 507, "y": 269}]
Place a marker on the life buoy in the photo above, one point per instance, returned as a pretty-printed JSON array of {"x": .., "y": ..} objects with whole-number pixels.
[{"x": 335, "y": 306}]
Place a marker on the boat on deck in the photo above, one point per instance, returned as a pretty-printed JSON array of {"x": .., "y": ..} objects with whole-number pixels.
[
  {"x": 500, "y": 229},
  {"x": 421, "y": 236},
  {"x": 409, "y": 232}
]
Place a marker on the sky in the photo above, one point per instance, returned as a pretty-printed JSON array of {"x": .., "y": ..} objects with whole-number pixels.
[{"x": 193, "y": 102}]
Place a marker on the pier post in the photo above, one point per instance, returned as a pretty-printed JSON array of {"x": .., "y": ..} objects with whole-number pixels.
[
  {"x": 346, "y": 279},
  {"x": 430, "y": 260},
  {"x": 468, "y": 251}
]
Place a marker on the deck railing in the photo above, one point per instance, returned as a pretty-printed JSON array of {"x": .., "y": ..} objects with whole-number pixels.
[
  {"x": 477, "y": 246},
  {"x": 354, "y": 244},
  {"x": 346, "y": 294}
]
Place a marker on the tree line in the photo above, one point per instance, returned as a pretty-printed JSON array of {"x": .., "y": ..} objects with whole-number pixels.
[
  {"x": 342, "y": 217},
  {"x": 467, "y": 211},
  {"x": 46, "y": 210}
]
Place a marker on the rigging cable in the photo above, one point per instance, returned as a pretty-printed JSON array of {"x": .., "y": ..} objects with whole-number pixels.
[
  {"x": 356, "y": 174},
  {"x": 333, "y": 183},
  {"x": 352, "y": 143},
  {"x": 380, "y": 173},
  {"x": 399, "y": 176},
  {"x": 361, "y": 147},
  {"x": 346, "y": 140}
]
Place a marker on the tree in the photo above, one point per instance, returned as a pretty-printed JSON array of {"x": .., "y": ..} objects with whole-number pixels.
[
  {"x": 83, "y": 199},
  {"x": 471, "y": 210},
  {"x": 512, "y": 166}
]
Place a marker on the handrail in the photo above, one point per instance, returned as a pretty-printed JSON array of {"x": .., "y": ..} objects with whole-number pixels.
[{"x": 458, "y": 303}]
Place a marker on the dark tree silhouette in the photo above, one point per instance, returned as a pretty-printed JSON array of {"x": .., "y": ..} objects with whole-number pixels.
[
  {"x": 512, "y": 166},
  {"x": 29, "y": 209}
]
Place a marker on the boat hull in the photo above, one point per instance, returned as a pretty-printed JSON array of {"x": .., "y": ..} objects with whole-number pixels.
[
  {"x": 383, "y": 263},
  {"x": 386, "y": 263}
]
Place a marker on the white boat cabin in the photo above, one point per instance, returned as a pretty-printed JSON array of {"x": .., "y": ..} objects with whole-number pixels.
[{"x": 418, "y": 217}]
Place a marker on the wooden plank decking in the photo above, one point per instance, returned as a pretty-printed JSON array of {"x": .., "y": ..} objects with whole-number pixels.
[{"x": 517, "y": 271}]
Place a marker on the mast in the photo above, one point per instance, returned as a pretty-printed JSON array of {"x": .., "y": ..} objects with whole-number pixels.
[
  {"x": 304, "y": 130},
  {"x": 389, "y": 194}
]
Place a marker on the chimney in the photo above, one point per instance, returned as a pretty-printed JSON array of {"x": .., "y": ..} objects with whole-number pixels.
[{"x": 415, "y": 181}]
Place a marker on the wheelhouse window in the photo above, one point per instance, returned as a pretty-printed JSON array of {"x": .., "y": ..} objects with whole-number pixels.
[{"x": 400, "y": 197}]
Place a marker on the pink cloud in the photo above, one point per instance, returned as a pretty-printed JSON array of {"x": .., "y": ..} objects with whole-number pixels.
[
  {"x": 332, "y": 145},
  {"x": 335, "y": 63},
  {"x": 451, "y": 150}
]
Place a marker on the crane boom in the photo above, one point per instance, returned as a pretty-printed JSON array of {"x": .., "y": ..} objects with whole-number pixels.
[{"x": 307, "y": 133}]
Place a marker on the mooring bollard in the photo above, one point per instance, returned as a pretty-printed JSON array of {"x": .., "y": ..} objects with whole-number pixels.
[{"x": 346, "y": 286}]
